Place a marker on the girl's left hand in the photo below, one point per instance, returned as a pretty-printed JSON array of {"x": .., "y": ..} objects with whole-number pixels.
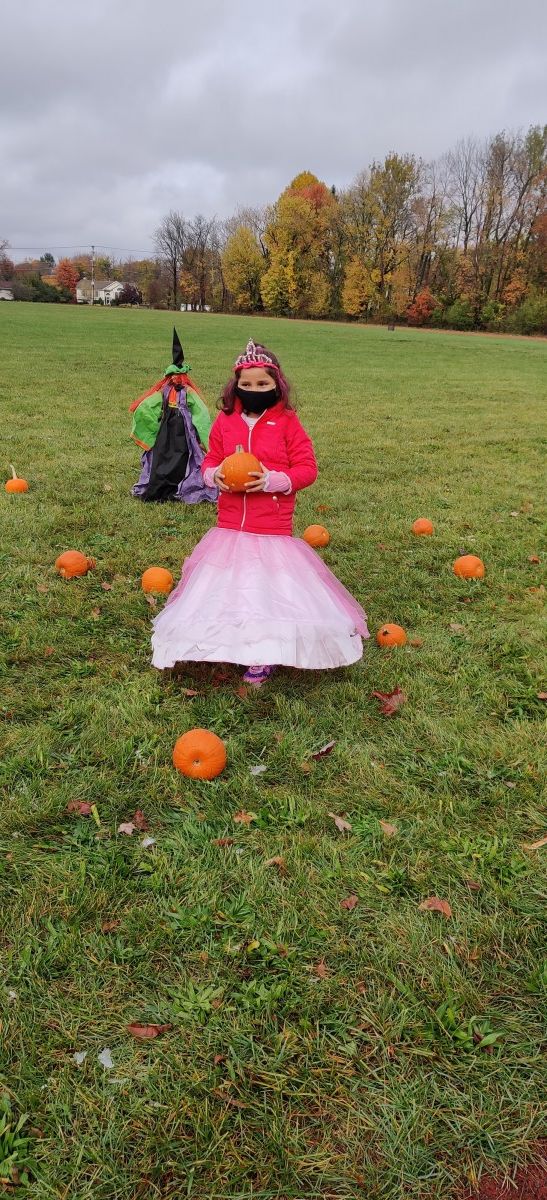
[{"x": 260, "y": 480}]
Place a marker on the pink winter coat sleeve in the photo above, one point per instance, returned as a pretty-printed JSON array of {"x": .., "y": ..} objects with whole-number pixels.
[
  {"x": 302, "y": 469},
  {"x": 215, "y": 454}
]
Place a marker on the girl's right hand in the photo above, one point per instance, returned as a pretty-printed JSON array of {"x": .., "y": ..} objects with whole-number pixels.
[{"x": 219, "y": 479}]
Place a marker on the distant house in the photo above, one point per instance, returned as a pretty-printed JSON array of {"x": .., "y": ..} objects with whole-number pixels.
[
  {"x": 6, "y": 290},
  {"x": 105, "y": 291}
]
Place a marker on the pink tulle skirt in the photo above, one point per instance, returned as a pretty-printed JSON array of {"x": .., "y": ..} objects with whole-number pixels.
[{"x": 258, "y": 598}]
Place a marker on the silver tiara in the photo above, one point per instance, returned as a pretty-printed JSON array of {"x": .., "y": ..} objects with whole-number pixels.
[{"x": 252, "y": 355}]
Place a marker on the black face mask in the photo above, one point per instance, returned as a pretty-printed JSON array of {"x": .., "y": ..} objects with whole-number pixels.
[{"x": 257, "y": 402}]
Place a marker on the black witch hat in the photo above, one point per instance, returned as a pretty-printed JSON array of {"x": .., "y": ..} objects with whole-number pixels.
[{"x": 177, "y": 362}]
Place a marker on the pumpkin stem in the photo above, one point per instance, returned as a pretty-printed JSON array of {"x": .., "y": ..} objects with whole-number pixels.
[
  {"x": 12, "y": 469},
  {"x": 239, "y": 449}
]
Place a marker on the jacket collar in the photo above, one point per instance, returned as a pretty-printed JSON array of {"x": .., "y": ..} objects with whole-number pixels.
[{"x": 275, "y": 411}]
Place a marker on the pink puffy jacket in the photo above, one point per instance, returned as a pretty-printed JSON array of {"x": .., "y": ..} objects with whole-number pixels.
[{"x": 281, "y": 443}]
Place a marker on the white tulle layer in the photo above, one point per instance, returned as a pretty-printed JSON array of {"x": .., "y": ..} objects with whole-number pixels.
[{"x": 258, "y": 598}]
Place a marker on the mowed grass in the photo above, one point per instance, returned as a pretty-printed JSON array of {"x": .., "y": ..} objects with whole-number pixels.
[{"x": 409, "y": 1060}]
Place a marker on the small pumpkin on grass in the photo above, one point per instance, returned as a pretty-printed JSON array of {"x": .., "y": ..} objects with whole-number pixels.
[
  {"x": 73, "y": 563},
  {"x": 158, "y": 581},
  {"x": 316, "y": 535},
  {"x": 199, "y": 754},
  {"x": 391, "y": 635},
  {"x": 236, "y": 469},
  {"x": 468, "y": 566},
  {"x": 423, "y": 527},
  {"x": 15, "y": 484}
]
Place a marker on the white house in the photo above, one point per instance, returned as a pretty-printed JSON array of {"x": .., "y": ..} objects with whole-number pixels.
[
  {"x": 6, "y": 291},
  {"x": 109, "y": 292},
  {"x": 105, "y": 291}
]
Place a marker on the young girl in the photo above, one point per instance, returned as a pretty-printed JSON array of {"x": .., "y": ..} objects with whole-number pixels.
[{"x": 250, "y": 592}]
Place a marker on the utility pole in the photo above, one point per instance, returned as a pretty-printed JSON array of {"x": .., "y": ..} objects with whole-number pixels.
[{"x": 92, "y": 274}]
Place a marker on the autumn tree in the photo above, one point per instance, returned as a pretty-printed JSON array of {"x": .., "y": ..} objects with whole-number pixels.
[
  {"x": 298, "y": 242},
  {"x": 243, "y": 265},
  {"x": 66, "y": 275}
]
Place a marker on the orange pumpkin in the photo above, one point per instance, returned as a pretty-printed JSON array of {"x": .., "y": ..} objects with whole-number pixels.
[
  {"x": 72, "y": 563},
  {"x": 468, "y": 566},
  {"x": 158, "y": 580},
  {"x": 236, "y": 469},
  {"x": 199, "y": 754},
  {"x": 422, "y": 527},
  {"x": 15, "y": 484},
  {"x": 316, "y": 535},
  {"x": 391, "y": 635}
]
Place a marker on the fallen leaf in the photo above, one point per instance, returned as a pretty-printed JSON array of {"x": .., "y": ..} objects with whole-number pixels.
[
  {"x": 513, "y": 514},
  {"x": 390, "y": 702},
  {"x": 321, "y": 970},
  {"x": 388, "y": 829},
  {"x": 244, "y": 818},
  {"x": 80, "y": 1057},
  {"x": 105, "y": 1059},
  {"x": 110, "y": 926},
  {"x": 323, "y": 508},
  {"x": 473, "y": 885},
  {"x": 95, "y": 613},
  {"x": 326, "y": 749},
  {"x": 107, "y": 487},
  {"x": 278, "y": 862},
  {"x": 12, "y": 995},
  {"x": 509, "y": 783},
  {"x": 541, "y": 695},
  {"x": 259, "y": 770},
  {"x": 83, "y": 807},
  {"x": 349, "y": 903},
  {"x": 41, "y": 587},
  {"x": 219, "y": 1058},
  {"x": 147, "y": 1032},
  {"x": 341, "y": 824},
  {"x": 306, "y": 768},
  {"x": 151, "y": 600},
  {"x": 242, "y": 691},
  {"x": 190, "y": 692},
  {"x": 381, "y": 546},
  {"x": 127, "y": 827},
  {"x": 362, "y": 988},
  {"x": 537, "y": 591},
  {"x": 457, "y": 628},
  {"x": 147, "y": 842},
  {"x": 107, "y": 587},
  {"x": 534, "y": 558},
  {"x": 49, "y": 650},
  {"x": 433, "y": 904},
  {"x": 416, "y": 642},
  {"x": 535, "y": 845},
  {"x": 139, "y": 821},
  {"x": 226, "y": 841}
]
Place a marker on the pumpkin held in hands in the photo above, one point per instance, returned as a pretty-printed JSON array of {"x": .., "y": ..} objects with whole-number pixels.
[
  {"x": 157, "y": 580},
  {"x": 468, "y": 566},
  {"x": 236, "y": 469},
  {"x": 422, "y": 527},
  {"x": 15, "y": 484},
  {"x": 391, "y": 635},
  {"x": 316, "y": 535},
  {"x": 199, "y": 754},
  {"x": 72, "y": 563}
]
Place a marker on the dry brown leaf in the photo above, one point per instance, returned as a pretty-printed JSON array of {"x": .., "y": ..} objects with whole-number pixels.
[
  {"x": 49, "y": 650},
  {"x": 127, "y": 827},
  {"x": 279, "y": 862},
  {"x": 222, "y": 842},
  {"x": 390, "y": 702},
  {"x": 107, "y": 487},
  {"x": 387, "y": 828},
  {"x": 416, "y": 642},
  {"x": 151, "y": 600},
  {"x": 219, "y": 1058},
  {"x": 349, "y": 903},
  {"x": 190, "y": 693},
  {"x": 146, "y": 1032},
  {"x": 139, "y": 820},
  {"x": 541, "y": 695},
  {"x": 244, "y": 818},
  {"x": 41, "y": 587},
  {"x": 321, "y": 970},
  {"x": 95, "y": 613},
  {"x": 534, "y": 558},
  {"x": 473, "y": 885},
  {"x": 434, "y": 904},
  {"x": 323, "y": 508},
  {"x": 82, "y": 807},
  {"x": 306, "y": 768},
  {"x": 242, "y": 691},
  {"x": 535, "y": 845},
  {"x": 110, "y": 926},
  {"x": 107, "y": 587},
  {"x": 456, "y": 628},
  {"x": 341, "y": 824}
]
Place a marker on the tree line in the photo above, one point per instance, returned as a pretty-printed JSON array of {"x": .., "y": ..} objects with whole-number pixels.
[{"x": 459, "y": 242}]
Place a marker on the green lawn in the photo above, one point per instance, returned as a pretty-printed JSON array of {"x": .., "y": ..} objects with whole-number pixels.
[{"x": 410, "y": 1061}]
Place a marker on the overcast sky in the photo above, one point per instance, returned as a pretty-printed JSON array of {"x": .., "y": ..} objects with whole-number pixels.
[{"x": 112, "y": 112}]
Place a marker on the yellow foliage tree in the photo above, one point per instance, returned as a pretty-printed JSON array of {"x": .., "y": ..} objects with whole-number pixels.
[
  {"x": 359, "y": 288},
  {"x": 243, "y": 266}
]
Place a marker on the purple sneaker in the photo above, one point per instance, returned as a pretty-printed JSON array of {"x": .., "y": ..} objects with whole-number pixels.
[{"x": 257, "y": 675}]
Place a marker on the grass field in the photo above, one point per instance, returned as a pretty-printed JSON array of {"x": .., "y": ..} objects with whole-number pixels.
[{"x": 384, "y": 1052}]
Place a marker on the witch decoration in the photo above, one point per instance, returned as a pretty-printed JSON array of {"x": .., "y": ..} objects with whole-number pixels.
[{"x": 171, "y": 424}]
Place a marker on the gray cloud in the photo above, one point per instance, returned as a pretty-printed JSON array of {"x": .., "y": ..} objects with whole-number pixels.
[{"x": 112, "y": 113}]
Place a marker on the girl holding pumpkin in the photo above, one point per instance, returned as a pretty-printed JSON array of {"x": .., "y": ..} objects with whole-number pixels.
[{"x": 250, "y": 592}]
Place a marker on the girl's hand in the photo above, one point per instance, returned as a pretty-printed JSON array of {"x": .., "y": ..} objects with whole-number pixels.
[
  {"x": 219, "y": 479},
  {"x": 260, "y": 480}
]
